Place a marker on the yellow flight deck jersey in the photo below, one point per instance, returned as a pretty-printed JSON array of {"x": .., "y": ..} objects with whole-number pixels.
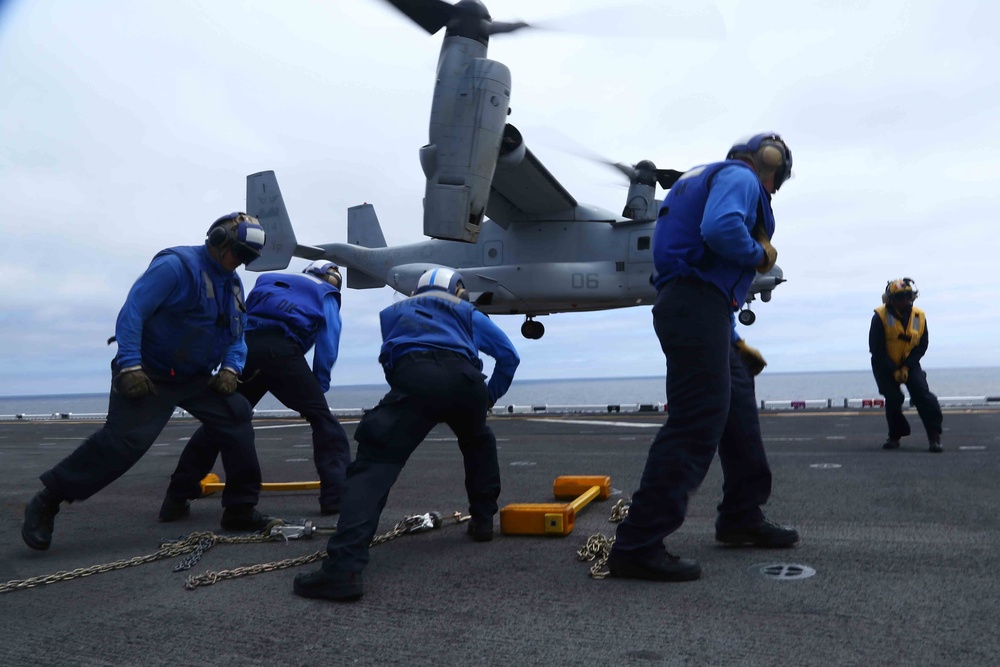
[{"x": 899, "y": 348}]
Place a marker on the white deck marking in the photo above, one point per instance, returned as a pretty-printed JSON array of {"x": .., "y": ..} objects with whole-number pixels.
[{"x": 598, "y": 423}]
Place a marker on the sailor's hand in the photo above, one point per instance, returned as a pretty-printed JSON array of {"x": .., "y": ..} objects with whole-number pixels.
[
  {"x": 224, "y": 381},
  {"x": 751, "y": 356},
  {"x": 770, "y": 254},
  {"x": 901, "y": 375},
  {"x": 134, "y": 383}
]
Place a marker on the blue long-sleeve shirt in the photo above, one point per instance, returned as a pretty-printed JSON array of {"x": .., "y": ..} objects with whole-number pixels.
[
  {"x": 491, "y": 339},
  {"x": 705, "y": 228},
  {"x": 306, "y": 310},
  {"x": 730, "y": 214},
  {"x": 436, "y": 320},
  {"x": 327, "y": 343}
]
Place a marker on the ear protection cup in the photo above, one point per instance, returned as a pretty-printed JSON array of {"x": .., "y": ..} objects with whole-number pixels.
[
  {"x": 771, "y": 156},
  {"x": 220, "y": 235}
]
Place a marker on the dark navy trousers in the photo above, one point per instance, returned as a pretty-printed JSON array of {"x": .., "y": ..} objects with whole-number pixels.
[
  {"x": 133, "y": 424},
  {"x": 277, "y": 365},
  {"x": 711, "y": 407},
  {"x": 426, "y": 389},
  {"x": 928, "y": 407}
]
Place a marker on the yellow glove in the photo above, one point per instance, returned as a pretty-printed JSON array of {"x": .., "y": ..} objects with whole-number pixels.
[
  {"x": 770, "y": 254},
  {"x": 134, "y": 383},
  {"x": 751, "y": 356},
  {"x": 224, "y": 381},
  {"x": 901, "y": 375}
]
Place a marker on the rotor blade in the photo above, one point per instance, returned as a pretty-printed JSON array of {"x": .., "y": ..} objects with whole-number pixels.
[
  {"x": 667, "y": 177},
  {"x": 630, "y": 172},
  {"x": 431, "y": 15},
  {"x": 500, "y": 27},
  {"x": 694, "y": 20}
]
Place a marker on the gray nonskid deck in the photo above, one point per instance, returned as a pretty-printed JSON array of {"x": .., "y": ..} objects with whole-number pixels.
[{"x": 903, "y": 543}]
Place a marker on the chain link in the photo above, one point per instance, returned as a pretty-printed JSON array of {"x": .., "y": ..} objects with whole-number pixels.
[
  {"x": 410, "y": 524},
  {"x": 598, "y": 547},
  {"x": 168, "y": 549},
  {"x": 196, "y": 544}
]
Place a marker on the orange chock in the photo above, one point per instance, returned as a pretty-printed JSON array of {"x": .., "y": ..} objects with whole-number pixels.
[
  {"x": 212, "y": 484},
  {"x": 555, "y": 518}
]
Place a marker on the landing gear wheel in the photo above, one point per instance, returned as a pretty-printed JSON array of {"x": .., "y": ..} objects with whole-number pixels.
[
  {"x": 747, "y": 317},
  {"x": 532, "y": 329}
]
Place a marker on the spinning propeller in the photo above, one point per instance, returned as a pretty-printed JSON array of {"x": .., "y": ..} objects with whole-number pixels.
[{"x": 466, "y": 18}]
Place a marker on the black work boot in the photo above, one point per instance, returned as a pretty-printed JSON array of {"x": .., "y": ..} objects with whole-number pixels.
[
  {"x": 935, "y": 443},
  {"x": 664, "y": 566},
  {"x": 323, "y": 585},
  {"x": 890, "y": 443},
  {"x": 174, "y": 509},
  {"x": 246, "y": 518},
  {"x": 766, "y": 534},
  {"x": 39, "y": 520},
  {"x": 481, "y": 530}
]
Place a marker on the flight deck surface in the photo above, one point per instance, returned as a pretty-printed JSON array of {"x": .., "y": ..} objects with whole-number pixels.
[{"x": 898, "y": 560}]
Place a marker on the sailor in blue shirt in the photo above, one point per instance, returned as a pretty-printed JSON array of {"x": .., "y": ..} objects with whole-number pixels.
[
  {"x": 430, "y": 353},
  {"x": 287, "y": 315},
  {"x": 712, "y": 233},
  {"x": 182, "y": 319}
]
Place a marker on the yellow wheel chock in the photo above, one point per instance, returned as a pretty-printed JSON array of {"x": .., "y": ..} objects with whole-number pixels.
[
  {"x": 555, "y": 518},
  {"x": 212, "y": 484}
]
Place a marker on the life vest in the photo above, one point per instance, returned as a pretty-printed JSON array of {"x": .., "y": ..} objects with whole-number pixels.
[
  {"x": 901, "y": 337},
  {"x": 290, "y": 303},
  {"x": 678, "y": 247},
  {"x": 194, "y": 340},
  {"x": 433, "y": 320}
]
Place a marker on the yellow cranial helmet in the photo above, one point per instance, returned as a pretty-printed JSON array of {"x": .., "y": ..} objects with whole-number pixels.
[{"x": 901, "y": 288}]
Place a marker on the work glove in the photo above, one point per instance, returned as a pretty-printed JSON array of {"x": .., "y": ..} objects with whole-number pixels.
[
  {"x": 134, "y": 383},
  {"x": 901, "y": 375},
  {"x": 770, "y": 254},
  {"x": 751, "y": 356},
  {"x": 224, "y": 381}
]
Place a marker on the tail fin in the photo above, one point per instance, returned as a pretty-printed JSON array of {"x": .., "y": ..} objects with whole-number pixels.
[
  {"x": 264, "y": 202},
  {"x": 363, "y": 228}
]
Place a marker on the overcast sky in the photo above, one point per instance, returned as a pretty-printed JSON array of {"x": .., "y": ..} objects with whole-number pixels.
[{"x": 127, "y": 127}]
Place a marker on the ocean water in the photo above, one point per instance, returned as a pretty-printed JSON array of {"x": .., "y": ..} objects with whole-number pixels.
[{"x": 835, "y": 386}]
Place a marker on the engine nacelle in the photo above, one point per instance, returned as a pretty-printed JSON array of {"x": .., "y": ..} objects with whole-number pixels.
[
  {"x": 641, "y": 203},
  {"x": 467, "y": 126}
]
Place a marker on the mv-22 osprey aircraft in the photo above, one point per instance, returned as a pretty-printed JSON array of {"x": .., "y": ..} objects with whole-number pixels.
[{"x": 524, "y": 245}]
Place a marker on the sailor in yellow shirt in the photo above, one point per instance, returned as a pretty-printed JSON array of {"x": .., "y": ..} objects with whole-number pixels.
[{"x": 897, "y": 341}]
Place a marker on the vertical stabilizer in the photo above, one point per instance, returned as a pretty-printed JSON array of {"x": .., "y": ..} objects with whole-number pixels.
[
  {"x": 265, "y": 203},
  {"x": 363, "y": 228}
]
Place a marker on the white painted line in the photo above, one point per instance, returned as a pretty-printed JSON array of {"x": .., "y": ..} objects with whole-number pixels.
[
  {"x": 825, "y": 466},
  {"x": 973, "y": 447},
  {"x": 295, "y": 460},
  {"x": 598, "y": 423},
  {"x": 261, "y": 428},
  {"x": 836, "y": 437}
]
